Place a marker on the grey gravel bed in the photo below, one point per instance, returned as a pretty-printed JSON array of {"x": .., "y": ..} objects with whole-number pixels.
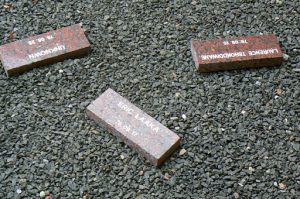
[{"x": 240, "y": 129}]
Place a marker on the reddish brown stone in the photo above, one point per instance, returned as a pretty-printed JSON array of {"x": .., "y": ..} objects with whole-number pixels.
[
  {"x": 43, "y": 49},
  {"x": 235, "y": 53},
  {"x": 133, "y": 126}
]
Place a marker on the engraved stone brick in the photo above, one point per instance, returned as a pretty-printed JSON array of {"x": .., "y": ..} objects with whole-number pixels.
[
  {"x": 236, "y": 53},
  {"x": 133, "y": 126},
  {"x": 50, "y": 47}
]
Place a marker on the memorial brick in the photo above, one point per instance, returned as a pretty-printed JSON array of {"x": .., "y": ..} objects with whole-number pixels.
[
  {"x": 133, "y": 126},
  {"x": 235, "y": 53},
  {"x": 47, "y": 48}
]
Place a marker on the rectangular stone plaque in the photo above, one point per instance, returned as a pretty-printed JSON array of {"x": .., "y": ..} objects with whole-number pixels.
[
  {"x": 133, "y": 126},
  {"x": 43, "y": 49},
  {"x": 236, "y": 53}
]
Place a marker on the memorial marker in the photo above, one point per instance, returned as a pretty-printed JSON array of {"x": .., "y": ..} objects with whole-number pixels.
[
  {"x": 133, "y": 126},
  {"x": 235, "y": 53},
  {"x": 43, "y": 49}
]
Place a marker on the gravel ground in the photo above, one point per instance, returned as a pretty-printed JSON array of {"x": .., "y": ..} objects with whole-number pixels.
[{"x": 241, "y": 132}]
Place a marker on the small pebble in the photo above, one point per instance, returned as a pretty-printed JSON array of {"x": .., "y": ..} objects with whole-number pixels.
[
  {"x": 278, "y": 91},
  {"x": 182, "y": 151},
  {"x": 177, "y": 95},
  {"x": 286, "y": 57},
  {"x": 296, "y": 69},
  {"x": 278, "y": 2},
  {"x": 251, "y": 169},
  {"x": 42, "y": 194},
  {"x": 174, "y": 118},
  {"x": 141, "y": 173},
  {"x": 282, "y": 186},
  {"x": 167, "y": 176},
  {"x": 236, "y": 195}
]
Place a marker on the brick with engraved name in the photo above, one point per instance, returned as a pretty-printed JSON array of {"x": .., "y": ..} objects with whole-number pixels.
[
  {"x": 235, "y": 53},
  {"x": 133, "y": 126},
  {"x": 47, "y": 48}
]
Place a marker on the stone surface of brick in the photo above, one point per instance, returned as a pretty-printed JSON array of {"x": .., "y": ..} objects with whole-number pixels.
[
  {"x": 47, "y": 48},
  {"x": 133, "y": 126},
  {"x": 235, "y": 53}
]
